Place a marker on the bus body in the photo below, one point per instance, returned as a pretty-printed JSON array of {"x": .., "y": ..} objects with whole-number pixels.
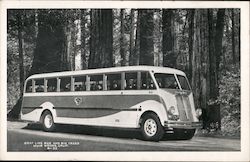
[{"x": 155, "y": 99}]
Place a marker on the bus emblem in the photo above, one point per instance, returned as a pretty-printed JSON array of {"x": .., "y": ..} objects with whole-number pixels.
[{"x": 78, "y": 100}]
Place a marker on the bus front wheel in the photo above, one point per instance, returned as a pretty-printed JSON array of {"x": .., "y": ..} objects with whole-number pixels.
[
  {"x": 47, "y": 121},
  {"x": 151, "y": 128}
]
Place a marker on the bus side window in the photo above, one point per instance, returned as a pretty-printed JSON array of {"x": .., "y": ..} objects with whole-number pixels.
[
  {"x": 29, "y": 86},
  {"x": 51, "y": 85},
  {"x": 96, "y": 82},
  {"x": 131, "y": 81},
  {"x": 80, "y": 83},
  {"x": 114, "y": 81},
  {"x": 146, "y": 81},
  {"x": 65, "y": 84},
  {"x": 39, "y": 85}
]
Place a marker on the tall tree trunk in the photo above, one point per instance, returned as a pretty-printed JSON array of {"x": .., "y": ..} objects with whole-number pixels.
[
  {"x": 239, "y": 40},
  {"x": 36, "y": 22},
  {"x": 132, "y": 37},
  {"x": 218, "y": 54},
  {"x": 200, "y": 59},
  {"x": 49, "y": 47},
  {"x": 212, "y": 71},
  {"x": 78, "y": 42},
  {"x": 157, "y": 38},
  {"x": 233, "y": 37},
  {"x": 72, "y": 39},
  {"x": 101, "y": 38},
  {"x": 68, "y": 45},
  {"x": 212, "y": 68},
  {"x": 83, "y": 39},
  {"x": 47, "y": 55},
  {"x": 146, "y": 37},
  {"x": 190, "y": 39},
  {"x": 74, "y": 46},
  {"x": 20, "y": 20},
  {"x": 122, "y": 39},
  {"x": 136, "y": 56},
  {"x": 169, "y": 56}
]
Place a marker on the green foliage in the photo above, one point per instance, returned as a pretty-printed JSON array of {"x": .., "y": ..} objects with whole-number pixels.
[
  {"x": 13, "y": 91},
  {"x": 29, "y": 36},
  {"x": 229, "y": 101}
]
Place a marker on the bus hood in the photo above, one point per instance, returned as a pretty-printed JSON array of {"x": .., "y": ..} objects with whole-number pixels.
[{"x": 179, "y": 103}]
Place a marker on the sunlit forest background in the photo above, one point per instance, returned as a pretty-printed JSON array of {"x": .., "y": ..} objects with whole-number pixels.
[{"x": 204, "y": 43}]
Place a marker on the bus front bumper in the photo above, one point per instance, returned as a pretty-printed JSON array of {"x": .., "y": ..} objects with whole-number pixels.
[{"x": 182, "y": 124}]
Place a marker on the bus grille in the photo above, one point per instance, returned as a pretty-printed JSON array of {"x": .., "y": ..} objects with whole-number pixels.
[{"x": 184, "y": 108}]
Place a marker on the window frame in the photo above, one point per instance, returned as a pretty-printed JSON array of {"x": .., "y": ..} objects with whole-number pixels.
[
  {"x": 88, "y": 80},
  {"x": 189, "y": 86},
  {"x": 175, "y": 77}
]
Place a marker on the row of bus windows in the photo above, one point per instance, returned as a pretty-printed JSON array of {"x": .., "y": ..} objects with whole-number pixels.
[{"x": 116, "y": 81}]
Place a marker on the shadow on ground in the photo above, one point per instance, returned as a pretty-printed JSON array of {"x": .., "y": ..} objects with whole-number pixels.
[{"x": 97, "y": 131}]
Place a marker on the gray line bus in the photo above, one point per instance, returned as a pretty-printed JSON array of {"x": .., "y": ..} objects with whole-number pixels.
[{"x": 156, "y": 100}]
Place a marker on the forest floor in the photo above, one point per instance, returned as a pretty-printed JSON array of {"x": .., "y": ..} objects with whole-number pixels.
[
  {"x": 199, "y": 132},
  {"x": 91, "y": 139}
]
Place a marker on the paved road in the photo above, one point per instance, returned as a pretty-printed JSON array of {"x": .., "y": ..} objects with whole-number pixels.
[{"x": 29, "y": 137}]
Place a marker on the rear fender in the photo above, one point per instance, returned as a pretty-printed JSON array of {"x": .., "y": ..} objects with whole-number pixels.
[{"x": 48, "y": 106}]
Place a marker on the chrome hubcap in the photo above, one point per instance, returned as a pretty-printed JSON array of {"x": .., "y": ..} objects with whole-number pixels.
[
  {"x": 150, "y": 127},
  {"x": 48, "y": 121}
]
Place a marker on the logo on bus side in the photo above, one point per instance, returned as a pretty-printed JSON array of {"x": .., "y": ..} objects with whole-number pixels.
[{"x": 78, "y": 100}]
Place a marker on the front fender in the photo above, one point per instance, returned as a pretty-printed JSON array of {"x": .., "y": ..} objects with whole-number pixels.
[{"x": 155, "y": 107}]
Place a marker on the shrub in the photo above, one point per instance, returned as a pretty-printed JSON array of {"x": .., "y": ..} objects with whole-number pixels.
[{"x": 229, "y": 100}]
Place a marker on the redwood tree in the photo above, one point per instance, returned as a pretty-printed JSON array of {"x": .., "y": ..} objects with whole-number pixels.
[
  {"x": 169, "y": 56},
  {"x": 101, "y": 40},
  {"x": 146, "y": 37},
  {"x": 215, "y": 108},
  {"x": 49, "y": 48}
]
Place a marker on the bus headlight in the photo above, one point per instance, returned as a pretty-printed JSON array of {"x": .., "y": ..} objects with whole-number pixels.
[
  {"x": 172, "y": 113},
  {"x": 198, "y": 112}
]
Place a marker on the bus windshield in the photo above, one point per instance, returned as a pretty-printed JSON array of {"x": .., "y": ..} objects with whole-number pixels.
[
  {"x": 166, "y": 81},
  {"x": 184, "y": 82},
  {"x": 169, "y": 81}
]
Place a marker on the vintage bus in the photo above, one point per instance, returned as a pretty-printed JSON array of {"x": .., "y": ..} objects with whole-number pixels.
[{"x": 156, "y": 100}]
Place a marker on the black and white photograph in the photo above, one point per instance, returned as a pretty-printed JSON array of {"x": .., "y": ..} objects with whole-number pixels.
[{"x": 125, "y": 80}]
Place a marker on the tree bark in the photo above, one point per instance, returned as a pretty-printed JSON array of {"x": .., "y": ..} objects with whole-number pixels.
[
  {"x": 132, "y": 37},
  {"x": 200, "y": 61},
  {"x": 233, "y": 37},
  {"x": 218, "y": 54},
  {"x": 168, "y": 42},
  {"x": 239, "y": 40},
  {"x": 20, "y": 20},
  {"x": 49, "y": 47},
  {"x": 83, "y": 40},
  {"x": 101, "y": 45},
  {"x": 190, "y": 39},
  {"x": 146, "y": 37},
  {"x": 68, "y": 44},
  {"x": 136, "y": 56},
  {"x": 157, "y": 38},
  {"x": 122, "y": 39}
]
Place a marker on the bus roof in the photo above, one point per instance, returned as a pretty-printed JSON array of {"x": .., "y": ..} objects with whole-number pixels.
[{"x": 155, "y": 69}]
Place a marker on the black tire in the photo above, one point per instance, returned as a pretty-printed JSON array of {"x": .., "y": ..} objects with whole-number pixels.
[
  {"x": 151, "y": 128},
  {"x": 184, "y": 134},
  {"x": 47, "y": 121}
]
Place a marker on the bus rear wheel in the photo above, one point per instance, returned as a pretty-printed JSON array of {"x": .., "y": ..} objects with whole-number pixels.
[
  {"x": 47, "y": 122},
  {"x": 151, "y": 128}
]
